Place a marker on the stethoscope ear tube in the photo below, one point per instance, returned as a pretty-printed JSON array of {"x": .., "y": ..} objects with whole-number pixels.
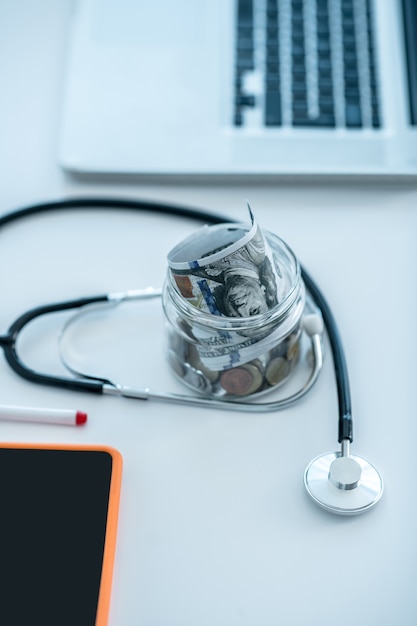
[
  {"x": 100, "y": 385},
  {"x": 8, "y": 343},
  {"x": 9, "y": 340},
  {"x": 82, "y": 381}
]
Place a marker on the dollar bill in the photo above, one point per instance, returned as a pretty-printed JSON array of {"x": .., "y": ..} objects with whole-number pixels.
[
  {"x": 222, "y": 350},
  {"x": 227, "y": 270}
]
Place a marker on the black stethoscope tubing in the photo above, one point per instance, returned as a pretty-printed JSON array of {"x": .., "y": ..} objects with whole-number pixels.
[{"x": 8, "y": 341}]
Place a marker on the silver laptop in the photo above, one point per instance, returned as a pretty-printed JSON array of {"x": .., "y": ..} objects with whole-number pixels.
[{"x": 241, "y": 87}]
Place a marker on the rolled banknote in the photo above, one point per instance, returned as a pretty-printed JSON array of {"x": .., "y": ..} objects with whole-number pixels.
[
  {"x": 227, "y": 270},
  {"x": 230, "y": 271}
]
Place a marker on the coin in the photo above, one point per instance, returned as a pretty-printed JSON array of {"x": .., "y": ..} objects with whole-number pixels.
[
  {"x": 242, "y": 380},
  {"x": 277, "y": 370},
  {"x": 293, "y": 348}
]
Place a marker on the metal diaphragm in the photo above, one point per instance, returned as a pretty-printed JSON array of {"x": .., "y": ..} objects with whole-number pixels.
[{"x": 343, "y": 485}]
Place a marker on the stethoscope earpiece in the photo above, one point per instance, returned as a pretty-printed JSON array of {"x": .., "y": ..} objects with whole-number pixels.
[{"x": 342, "y": 483}]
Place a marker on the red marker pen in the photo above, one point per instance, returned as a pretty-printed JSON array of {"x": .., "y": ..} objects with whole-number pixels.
[{"x": 65, "y": 417}]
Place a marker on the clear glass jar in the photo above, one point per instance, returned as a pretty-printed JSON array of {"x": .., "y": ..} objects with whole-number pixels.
[{"x": 230, "y": 357}]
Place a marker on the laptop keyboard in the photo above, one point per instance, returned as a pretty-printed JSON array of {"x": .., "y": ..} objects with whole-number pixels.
[{"x": 305, "y": 63}]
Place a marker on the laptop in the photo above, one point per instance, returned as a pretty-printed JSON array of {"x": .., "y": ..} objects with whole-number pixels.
[{"x": 241, "y": 87}]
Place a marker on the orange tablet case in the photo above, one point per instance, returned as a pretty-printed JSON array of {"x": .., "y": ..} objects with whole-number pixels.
[{"x": 112, "y": 514}]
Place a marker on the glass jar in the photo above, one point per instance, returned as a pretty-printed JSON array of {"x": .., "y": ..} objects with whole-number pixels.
[{"x": 230, "y": 357}]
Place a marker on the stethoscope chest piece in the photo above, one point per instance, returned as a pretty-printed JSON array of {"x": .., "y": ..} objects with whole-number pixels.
[{"x": 345, "y": 485}]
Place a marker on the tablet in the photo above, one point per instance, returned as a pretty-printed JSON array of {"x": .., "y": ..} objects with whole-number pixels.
[{"x": 58, "y": 523}]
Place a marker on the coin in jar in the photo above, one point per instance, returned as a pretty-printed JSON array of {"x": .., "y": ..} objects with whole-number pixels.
[
  {"x": 277, "y": 370},
  {"x": 293, "y": 348},
  {"x": 242, "y": 380}
]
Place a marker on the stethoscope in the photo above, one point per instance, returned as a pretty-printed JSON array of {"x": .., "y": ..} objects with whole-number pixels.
[{"x": 339, "y": 482}]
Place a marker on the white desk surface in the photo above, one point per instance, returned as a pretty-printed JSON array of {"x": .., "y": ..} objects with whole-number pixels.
[{"x": 215, "y": 527}]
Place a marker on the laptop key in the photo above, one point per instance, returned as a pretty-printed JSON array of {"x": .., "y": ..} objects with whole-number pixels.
[
  {"x": 273, "y": 108},
  {"x": 353, "y": 115},
  {"x": 322, "y": 121}
]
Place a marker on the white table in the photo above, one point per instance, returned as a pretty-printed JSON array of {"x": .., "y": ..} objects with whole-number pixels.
[{"x": 215, "y": 526}]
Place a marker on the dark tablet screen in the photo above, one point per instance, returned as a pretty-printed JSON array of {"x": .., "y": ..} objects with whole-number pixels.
[{"x": 53, "y": 518}]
